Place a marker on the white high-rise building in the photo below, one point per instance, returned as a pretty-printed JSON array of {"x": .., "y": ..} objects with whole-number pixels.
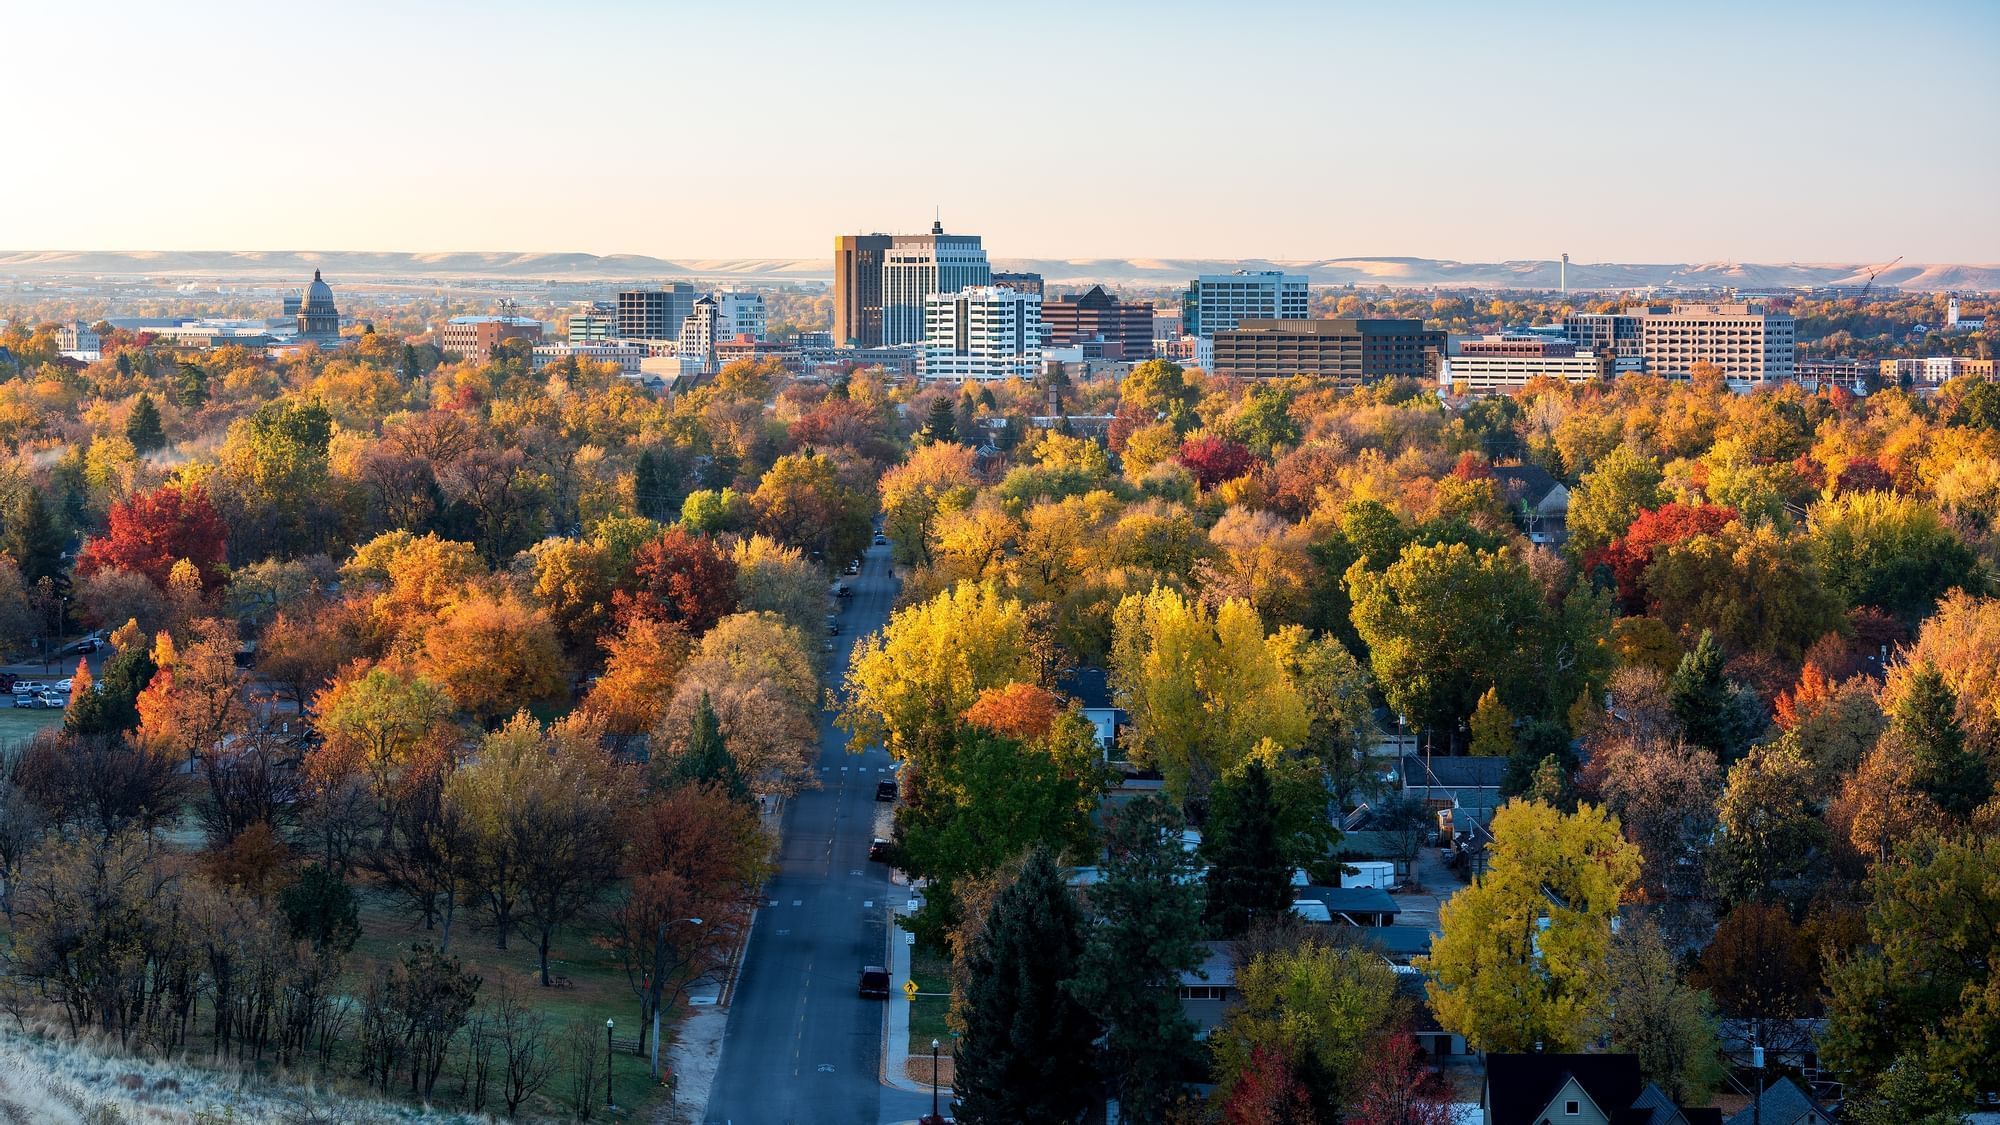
[
  {"x": 741, "y": 314},
  {"x": 982, "y": 332},
  {"x": 917, "y": 265},
  {"x": 1217, "y": 302},
  {"x": 700, "y": 332}
]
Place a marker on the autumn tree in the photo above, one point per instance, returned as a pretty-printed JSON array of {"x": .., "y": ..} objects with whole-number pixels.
[
  {"x": 693, "y": 863},
  {"x": 907, "y": 685},
  {"x": 681, "y": 578},
  {"x": 540, "y": 810},
  {"x": 1613, "y": 493},
  {"x": 1771, "y": 831},
  {"x": 1400, "y": 1088},
  {"x": 1889, "y": 550},
  {"x": 150, "y": 531},
  {"x": 1492, "y": 727},
  {"x": 802, "y": 501},
  {"x": 1520, "y": 957},
  {"x": 1922, "y": 994},
  {"x": 1204, "y": 690},
  {"x": 494, "y": 655},
  {"x": 1320, "y": 1006},
  {"x": 936, "y": 479},
  {"x": 1668, "y": 1025},
  {"x": 643, "y": 663},
  {"x": 378, "y": 723}
]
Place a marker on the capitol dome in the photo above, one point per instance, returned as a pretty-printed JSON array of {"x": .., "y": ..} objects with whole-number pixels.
[{"x": 318, "y": 319}]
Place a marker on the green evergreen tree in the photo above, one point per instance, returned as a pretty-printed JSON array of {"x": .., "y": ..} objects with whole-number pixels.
[
  {"x": 111, "y": 707},
  {"x": 322, "y": 909},
  {"x": 125, "y": 363},
  {"x": 34, "y": 540},
  {"x": 656, "y": 483},
  {"x": 1248, "y": 877},
  {"x": 1026, "y": 1052},
  {"x": 941, "y": 424},
  {"x": 1924, "y": 726},
  {"x": 707, "y": 760},
  {"x": 191, "y": 385},
  {"x": 412, "y": 365},
  {"x": 1701, "y": 696},
  {"x": 1148, "y": 906},
  {"x": 143, "y": 428}
]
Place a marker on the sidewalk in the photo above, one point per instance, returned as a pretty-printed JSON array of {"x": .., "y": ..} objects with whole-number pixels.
[{"x": 896, "y": 1049}]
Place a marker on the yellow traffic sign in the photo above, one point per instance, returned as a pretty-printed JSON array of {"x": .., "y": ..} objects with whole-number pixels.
[{"x": 910, "y": 989}]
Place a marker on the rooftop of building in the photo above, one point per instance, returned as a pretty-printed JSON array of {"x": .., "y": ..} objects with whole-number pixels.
[{"x": 1334, "y": 326}]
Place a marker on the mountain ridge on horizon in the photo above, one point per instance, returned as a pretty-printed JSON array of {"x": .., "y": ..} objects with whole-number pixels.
[{"x": 1406, "y": 272}]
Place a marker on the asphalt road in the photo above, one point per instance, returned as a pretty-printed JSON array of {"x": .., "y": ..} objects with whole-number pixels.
[{"x": 801, "y": 1045}]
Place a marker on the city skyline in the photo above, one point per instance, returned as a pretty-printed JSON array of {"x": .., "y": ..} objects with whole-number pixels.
[{"x": 1467, "y": 133}]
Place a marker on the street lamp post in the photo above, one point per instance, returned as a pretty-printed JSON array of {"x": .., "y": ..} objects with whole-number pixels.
[
  {"x": 607, "y": 1065},
  {"x": 934, "y": 1079},
  {"x": 656, "y": 1003}
]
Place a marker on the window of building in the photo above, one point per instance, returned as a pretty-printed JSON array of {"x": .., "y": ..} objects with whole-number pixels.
[{"x": 1572, "y": 1109}]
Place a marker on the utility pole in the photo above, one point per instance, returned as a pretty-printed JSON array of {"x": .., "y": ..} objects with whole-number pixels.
[{"x": 607, "y": 1066}]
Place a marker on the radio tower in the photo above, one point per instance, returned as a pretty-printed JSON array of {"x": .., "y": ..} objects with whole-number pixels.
[{"x": 1562, "y": 274}]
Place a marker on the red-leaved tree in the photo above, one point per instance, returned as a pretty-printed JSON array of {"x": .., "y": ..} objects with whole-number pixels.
[
  {"x": 1269, "y": 1093},
  {"x": 1399, "y": 1087},
  {"x": 1214, "y": 459},
  {"x": 694, "y": 861},
  {"x": 1630, "y": 554},
  {"x": 151, "y": 531},
  {"x": 680, "y": 578}
]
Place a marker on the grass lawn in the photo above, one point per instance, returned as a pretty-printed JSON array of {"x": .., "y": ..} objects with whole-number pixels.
[
  {"x": 932, "y": 972},
  {"x": 590, "y": 988},
  {"x": 18, "y": 724}
]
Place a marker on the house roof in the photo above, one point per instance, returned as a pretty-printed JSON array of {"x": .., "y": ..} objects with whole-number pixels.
[
  {"x": 1454, "y": 773},
  {"x": 1524, "y": 482},
  {"x": 1088, "y": 686},
  {"x": 1520, "y": 1087},
  {"x": 1783, "y": 1103},
  {"x": 1392, "y": 941},
  {"x": 1217, "y": 968},
  {"x": 1351, "y": 900}
]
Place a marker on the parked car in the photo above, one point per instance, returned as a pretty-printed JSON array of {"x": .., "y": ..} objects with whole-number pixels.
[
  {"x": 874, "y": 982},
  {"x": 880, "y": 539},
  {"x": 51, "y": 701},
  {"x": 29, "y": 687},
  {"x": 854, "y": 567},
  {"x": 878, "y": 850},
  {"x": 827, "y": 645},
  {"x": 885, "y": 790},
  {"x": 26, "y": 701},
  {"x": 65, "y": 686}
]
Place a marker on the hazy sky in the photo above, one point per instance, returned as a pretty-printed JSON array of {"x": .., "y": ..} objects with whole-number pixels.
[{"x": 1479, "y": 130}]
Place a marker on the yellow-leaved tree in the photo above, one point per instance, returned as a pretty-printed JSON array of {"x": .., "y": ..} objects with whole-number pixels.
[
  {"x": 907, "y": 685},
  {"x": 1203, "y": 690},
  {"x": 1522, "y": 957}
]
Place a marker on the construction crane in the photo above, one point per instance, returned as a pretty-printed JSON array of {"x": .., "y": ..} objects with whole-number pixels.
[{"x": 1878, "y": 271}]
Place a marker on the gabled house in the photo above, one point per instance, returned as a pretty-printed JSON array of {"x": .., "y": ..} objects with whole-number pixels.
[
  {"x": 1347, "y": 906},
  {"x": 1090, "y": 690},
  {"x": 1545, "y": 1089},
  {"x": 1208, "y": 991},
  {"x": 1539, "y": 502},
  {"x": 1783, "y": 1103},
  {"x": 1470, "y": 787}
]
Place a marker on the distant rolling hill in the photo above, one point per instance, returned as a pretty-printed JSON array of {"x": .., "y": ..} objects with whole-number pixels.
[{"x": 247, "y": 265}]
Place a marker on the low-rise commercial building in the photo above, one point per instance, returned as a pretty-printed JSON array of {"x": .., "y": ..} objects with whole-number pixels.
[
  {"x": 1930, "y": 371},
  {"x": 627, "y": 355},
  {"x": 476, "y": 337},
  {"x": 1104, "y": 326},
  {"x": 592, "y": 325},
  {"x": 1345, "y": 350},
  {"x": 1497, "y": 364}
]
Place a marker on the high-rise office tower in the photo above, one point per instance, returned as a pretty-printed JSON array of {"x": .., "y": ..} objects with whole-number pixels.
[
  {"x": 1217, "y": 302},
  {"x": 654, "y": 314},
  {"x": 880, "y": 282},
  {"x": 982, "y": 332}
]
